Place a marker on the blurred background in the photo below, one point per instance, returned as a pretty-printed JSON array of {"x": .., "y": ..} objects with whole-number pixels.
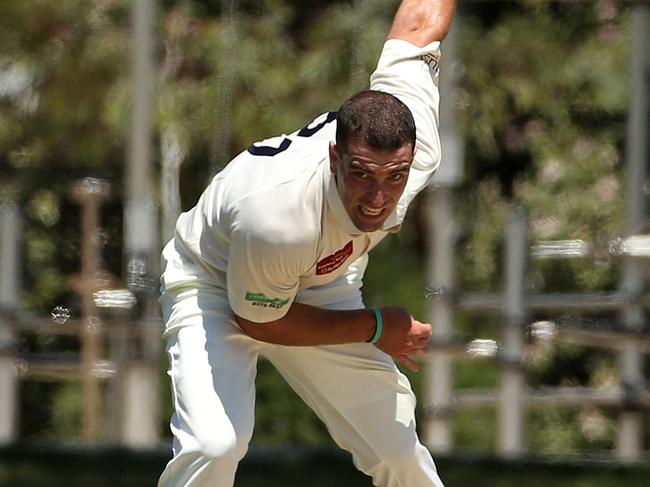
[{"x": 528, "y": 253}]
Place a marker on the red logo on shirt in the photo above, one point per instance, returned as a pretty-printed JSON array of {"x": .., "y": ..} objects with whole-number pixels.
[{"x": 332, "y": 262}]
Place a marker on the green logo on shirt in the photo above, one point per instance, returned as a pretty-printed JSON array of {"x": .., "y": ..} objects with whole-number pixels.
[{"x": 260, "y": 299}]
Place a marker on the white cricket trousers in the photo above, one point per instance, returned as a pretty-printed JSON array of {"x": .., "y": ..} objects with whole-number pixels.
[{"x": 366, "y": 403}]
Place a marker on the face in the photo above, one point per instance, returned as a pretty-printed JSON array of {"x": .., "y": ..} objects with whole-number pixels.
[{"x": 370, "y": 182}]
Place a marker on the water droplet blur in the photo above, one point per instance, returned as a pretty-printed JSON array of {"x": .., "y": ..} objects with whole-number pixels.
[
  {"x": 432, "y": 291},
  {"x": 616, "y": 246},
  {"x": 114, "y": 298},
  {"x": 60, "y": 314},
  {"x": 637, "y": 246},
  {"x": 20, "y": 367},
  {"x": 136, "y": 278},
  {"x": 93, "y": 323},
  {"x": 101, "y": 237},
  {"x": 482, "y": 347},
  {"x": 94, "y": 185},
  {"x": 137, "y": 266},
  {"x": 104, "y": 369},
  {"x": 558, "y": 249},
  {"x": 543, "y": 329}
]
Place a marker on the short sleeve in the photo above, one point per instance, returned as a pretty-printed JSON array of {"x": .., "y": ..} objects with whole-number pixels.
[
  {"x": 411, "y": 74},
  {"x": 263, "y": 276}
]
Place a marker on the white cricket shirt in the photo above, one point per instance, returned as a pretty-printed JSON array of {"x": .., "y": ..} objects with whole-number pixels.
[{"x": 271, "y": 223}]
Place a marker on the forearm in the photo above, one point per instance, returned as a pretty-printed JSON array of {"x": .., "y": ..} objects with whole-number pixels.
[
  {"x": 421, "y": 22},
  {"x": 403, "y": 336},
  {"x": 306, "y": 325}
]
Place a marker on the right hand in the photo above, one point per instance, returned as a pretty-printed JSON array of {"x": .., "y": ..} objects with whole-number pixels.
[{"x": 403, "y": 337}]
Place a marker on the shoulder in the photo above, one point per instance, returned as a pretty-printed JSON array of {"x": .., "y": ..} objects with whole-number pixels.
[
  {"x": 285, "y": 215},
  {"x": 398, "y": 55}
]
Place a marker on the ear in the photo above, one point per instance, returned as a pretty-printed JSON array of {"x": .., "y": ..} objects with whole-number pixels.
[{"x": 334, "y": 158}]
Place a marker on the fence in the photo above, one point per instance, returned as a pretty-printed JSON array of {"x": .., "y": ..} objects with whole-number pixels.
[
  {"x": 631, "y": 396},
  {"x": 629, "y": 336},
  {"x": 118, "y": 355}
]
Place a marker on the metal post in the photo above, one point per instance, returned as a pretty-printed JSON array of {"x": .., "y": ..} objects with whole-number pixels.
[
  {"x": 630, "y": 429},
  {"x": 140, "y": 229},
  {"x": 358, "y": 76},
  {"x": 439, "y": 397},
  {"x": 141, "y": 226},
  {"x": 140, "y": 209},
  {"x": 172, "y": 147},
  {"x": 439, "y": 393},
  {"x": 511, "y": 411},
  {"x": 138, "y": 429},
  {"x": 172, "y": 158},
  {"x": 222, "y": 143},
  {"x": 10, "y": 231}
]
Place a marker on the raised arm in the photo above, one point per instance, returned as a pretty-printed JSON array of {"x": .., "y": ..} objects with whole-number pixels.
[
  {"x": 402, "y": 72},
  {"x": 421, "y": 22}
]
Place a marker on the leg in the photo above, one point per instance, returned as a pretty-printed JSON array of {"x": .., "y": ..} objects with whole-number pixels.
[
  {"x": 212, "y": 371},
  {"x": 364, "y": 400},
  {"x": 367, "y": 405}
]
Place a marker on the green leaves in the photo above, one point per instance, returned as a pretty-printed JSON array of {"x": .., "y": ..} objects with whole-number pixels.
[{"x": 541, "y": 105}]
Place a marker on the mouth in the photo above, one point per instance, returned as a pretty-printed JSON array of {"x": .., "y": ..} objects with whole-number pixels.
[{"x": 371, "y": 213}]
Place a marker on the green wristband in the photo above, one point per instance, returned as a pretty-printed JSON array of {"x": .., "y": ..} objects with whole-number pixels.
[{"x": 380, "y": 326}]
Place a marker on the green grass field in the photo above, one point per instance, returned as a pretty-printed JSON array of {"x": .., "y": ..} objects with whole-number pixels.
[{"x": 37, "y": 466}]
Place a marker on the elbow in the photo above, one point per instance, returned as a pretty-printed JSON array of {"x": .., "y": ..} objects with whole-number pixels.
[
  {"x": 251, "y": 329},
  {"x": 421, "y": 24},
  {"x": 433, "y": 28}
]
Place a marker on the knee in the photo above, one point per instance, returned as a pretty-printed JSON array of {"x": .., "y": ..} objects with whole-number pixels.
[
  {"x": 226, "y": 444},
  {"x": 401, "y": 455},
  {"x": 408, "y": 467}
]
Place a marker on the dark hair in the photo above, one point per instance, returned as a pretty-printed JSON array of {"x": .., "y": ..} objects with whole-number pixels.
[{"x": 379, "y": 119}]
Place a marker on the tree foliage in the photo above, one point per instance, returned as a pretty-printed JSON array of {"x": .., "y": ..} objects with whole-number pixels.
[{"x": 542, "y": 101}]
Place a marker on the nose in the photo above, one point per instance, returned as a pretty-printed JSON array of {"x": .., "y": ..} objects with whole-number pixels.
[{"x": 378, "y": 196}]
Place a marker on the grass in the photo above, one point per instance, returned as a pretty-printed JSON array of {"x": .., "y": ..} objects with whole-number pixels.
[{"x": 57, "y": 466}]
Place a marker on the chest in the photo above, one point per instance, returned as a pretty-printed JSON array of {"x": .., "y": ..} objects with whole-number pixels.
[{"x": 336, "y": 251}]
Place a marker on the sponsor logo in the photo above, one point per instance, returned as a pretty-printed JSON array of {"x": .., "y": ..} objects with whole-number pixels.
[
  {"x": 334, "y": 261},
  {"x": 262, "y": 300}
]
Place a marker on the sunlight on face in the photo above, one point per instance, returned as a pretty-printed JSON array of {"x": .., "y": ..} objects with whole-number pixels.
[{"x": 370, "y": 182}]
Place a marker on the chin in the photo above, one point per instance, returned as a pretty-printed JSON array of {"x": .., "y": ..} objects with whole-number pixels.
[{"x": 368, "y": 227}]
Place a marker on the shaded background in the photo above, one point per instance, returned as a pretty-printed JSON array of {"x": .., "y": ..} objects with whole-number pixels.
[{"x": 541, "y": 99}]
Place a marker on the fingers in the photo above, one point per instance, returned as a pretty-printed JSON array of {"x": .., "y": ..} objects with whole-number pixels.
[
  {"x": 420, "y": 340},
  {"x": 407, "y": 359},
  {"x": 413, "y": 352},
  {"x": 418, "y": 349},
  {"x": 424, "y": 329},
  {"x": 418, "y": 346},
  {"x": 405, "y": 338}
]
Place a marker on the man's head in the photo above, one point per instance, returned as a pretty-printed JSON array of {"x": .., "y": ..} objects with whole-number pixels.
[{"x": 375, "y": 144}]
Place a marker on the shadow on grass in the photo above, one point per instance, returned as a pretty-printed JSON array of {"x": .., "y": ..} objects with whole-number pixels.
[{"x": 76, "y": 466}]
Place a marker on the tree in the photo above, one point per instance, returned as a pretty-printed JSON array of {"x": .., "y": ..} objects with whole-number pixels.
[{"x": 542, "y": 109}]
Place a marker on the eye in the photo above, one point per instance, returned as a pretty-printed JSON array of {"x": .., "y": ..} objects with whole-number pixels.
[
  {"x": 396, "y": 177},
  {"x": 360, "y": 174}
]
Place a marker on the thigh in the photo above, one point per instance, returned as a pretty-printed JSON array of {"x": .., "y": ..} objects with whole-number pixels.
[
  {"x": 212, "y": 371},
  {"x": 366, "y": 403}
]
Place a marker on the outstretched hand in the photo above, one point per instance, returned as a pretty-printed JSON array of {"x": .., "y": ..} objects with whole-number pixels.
[{"x": 404, "y": 338}]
